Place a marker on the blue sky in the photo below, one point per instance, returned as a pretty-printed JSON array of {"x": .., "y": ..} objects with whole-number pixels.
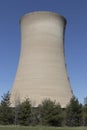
[{"x": 75, "y": 11}]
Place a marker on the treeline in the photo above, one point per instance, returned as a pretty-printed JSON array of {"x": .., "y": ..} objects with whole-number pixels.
[{"x": 47, "y": 113}]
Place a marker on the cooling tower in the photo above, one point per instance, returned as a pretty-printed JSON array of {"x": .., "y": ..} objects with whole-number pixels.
[{"x": 41, "y": 73}]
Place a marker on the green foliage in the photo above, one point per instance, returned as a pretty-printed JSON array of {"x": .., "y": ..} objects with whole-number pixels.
[
  {"x": 50, "y": 113},
  {"x": 85, "y": 115},
  {"x": 34, "y": 116},
  {"x": 6, "y": 113},
  {"x": 24, "y": 115},
  {"x": 74, "y": 113}
]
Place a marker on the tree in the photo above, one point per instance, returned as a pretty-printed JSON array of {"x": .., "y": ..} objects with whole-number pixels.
[
  {"x": 24, "y": 115},
  {"x": 6, "y": 112},
  {"x": 74, "y": 113},
  {"x": 50, "y": 113},
  {"x": 85, "y": 115}
]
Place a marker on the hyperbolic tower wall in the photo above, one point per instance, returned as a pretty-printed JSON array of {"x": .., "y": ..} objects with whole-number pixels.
[{"x": 42, "y": 71}]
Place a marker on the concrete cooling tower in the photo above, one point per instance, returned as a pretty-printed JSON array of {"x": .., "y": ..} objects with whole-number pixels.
[{"x": 42, "y": 71}]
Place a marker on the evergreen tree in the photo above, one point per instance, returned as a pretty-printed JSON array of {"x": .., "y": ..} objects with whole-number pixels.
[
  {"x": 24, "y": 115},
  {"x": 50, "y": 113},
  {"x": 6, "y": 112},
  {"x": 74, "y": 113},
  {"x": 85, "y": 115}
]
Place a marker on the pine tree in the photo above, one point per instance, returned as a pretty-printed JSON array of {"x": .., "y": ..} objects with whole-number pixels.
[
  {"x": 24, "y": 115},
  {"x": 50, "y": 113},
  {"x": 6, "y": 112},
  {"x": 85, "y": 115},
  {"x": 74, "y": 113}
]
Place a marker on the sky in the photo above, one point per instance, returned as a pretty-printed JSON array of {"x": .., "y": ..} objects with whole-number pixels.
[{"x": 75, "y": 12}]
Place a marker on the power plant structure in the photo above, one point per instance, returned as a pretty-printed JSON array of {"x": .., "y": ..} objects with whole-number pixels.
[{"x": 41, "y": 72}]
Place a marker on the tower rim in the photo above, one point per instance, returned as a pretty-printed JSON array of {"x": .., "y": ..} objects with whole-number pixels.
[{"x": 44, "y": 12}]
